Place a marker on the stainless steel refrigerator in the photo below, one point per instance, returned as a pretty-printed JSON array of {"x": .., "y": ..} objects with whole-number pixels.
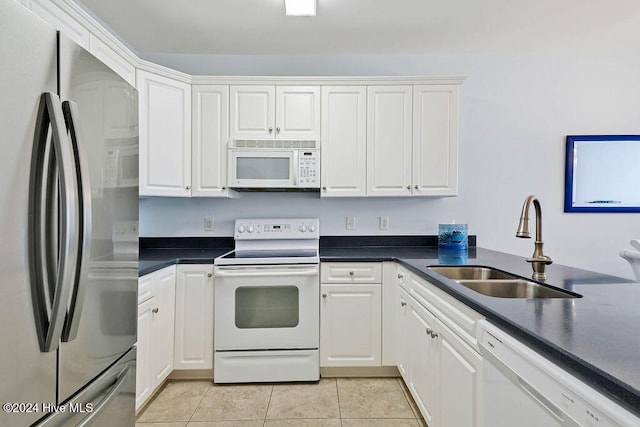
[{"x": 68, "y": 231}]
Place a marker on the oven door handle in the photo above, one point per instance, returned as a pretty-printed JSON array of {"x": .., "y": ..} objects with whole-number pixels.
[{"x": 266, "y": 273}]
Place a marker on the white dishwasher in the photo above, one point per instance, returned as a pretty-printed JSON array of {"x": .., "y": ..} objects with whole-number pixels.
[{"x": 522, "y": 388}]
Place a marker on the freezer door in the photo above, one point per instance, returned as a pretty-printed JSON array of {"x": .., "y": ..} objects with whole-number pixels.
[
  {"x": 101, "y": 113},
  {"x": 28, "y": 52},
  {"x": 107, "y": 401}
]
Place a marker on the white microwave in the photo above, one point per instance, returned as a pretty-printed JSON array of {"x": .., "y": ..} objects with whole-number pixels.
[
  {"x": 274, "y": 165},
  {"x": 120, "y": 166}
]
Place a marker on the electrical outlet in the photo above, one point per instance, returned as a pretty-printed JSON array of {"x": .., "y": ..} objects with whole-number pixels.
[
  {"x": 208, "y": 223},
  {"x": 384, "y": 223},
  {"x": 351, "y": 223}
]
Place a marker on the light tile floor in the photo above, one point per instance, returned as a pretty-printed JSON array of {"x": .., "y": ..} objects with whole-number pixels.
[{"x": 331, "y": 402}]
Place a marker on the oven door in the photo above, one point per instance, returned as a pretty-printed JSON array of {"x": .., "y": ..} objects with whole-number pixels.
[
  {"x": 267, "y": 307},
  {"x": 263, "y": 168}
]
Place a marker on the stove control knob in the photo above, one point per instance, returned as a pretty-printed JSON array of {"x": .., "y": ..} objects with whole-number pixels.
[
  {"x": 303, "y": 228},
  {"x": 241, "y": 229},
  {"x": 312, "y": 228},
  {"x": 250, "y": 229}
]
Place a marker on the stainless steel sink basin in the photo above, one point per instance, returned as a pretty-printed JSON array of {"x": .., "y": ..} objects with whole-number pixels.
[
  {"x": 471, "y": 272},
  {"x": 514, "y": 288},
  {"x": 496, "y": 283}
]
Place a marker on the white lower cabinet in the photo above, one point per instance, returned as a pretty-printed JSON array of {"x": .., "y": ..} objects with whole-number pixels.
[
  {"x": 442, "y": 371},
  {"x": 194, "y": 317},
  {"x": 156, "y": 302},
  {"x": 350, "y": 314},
  {"x": 350, "y": 325}
]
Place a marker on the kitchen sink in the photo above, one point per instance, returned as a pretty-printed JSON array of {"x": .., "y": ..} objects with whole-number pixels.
[
  {"x": 514, "y": 288},
  {"x": 471, "y": 272},
  {"x": 496, "y": 283}
]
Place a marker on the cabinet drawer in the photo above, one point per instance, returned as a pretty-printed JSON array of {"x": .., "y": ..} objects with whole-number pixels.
[
  {"x": 456, "y": 315},
  {"x": 144, "y": 288},
  {"x": 343, "y": 272}
]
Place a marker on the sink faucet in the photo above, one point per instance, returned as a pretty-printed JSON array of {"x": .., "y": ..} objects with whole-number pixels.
[{"x": 538, "y": 260}]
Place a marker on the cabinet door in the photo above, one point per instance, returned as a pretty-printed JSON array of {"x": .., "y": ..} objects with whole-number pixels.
[
  {"x": 252, "y": 112},
  {"x": 460, "y": 381},
  {"x": 165, "y": 135},
  {"x": 144, "y": 365},
  {"x": 194, "y": 317},
  {"x": 210, "y": 131},
  {"x": 422, "y": 360},
  {"x": 297, "y": 112},
  {"x": 344, "y": 141},
  {"x": 435, "y": 140},
  {"x": 164, "y": 285},
  {"x": 389, "y": 136},
  {"x": 350, "y": 325}
]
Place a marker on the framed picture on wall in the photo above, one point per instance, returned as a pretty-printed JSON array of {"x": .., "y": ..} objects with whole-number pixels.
[{"x": 602, "y": 173}]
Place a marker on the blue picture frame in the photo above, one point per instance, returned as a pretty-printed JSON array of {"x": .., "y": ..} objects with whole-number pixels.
[{"x": 602, "y": 173}]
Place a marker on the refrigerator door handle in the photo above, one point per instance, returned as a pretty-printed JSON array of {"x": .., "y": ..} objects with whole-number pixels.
[
  {"x": 115, "y": 390},
  {"x": 51, "y": 277},
  {"x": 71, "y": 116}
]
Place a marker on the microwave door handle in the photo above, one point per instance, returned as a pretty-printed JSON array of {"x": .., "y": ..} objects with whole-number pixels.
[
  {"x": 295, "y": 167},
  {"x": 84, "y": 192}
]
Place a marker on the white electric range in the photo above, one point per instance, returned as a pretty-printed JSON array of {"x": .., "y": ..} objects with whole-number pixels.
[{"x": 267, "y": 297}]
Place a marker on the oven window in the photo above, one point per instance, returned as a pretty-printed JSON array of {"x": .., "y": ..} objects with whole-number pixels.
[
  {"x": 263, "y": 168},
  {"x": 266, "y": 307}
]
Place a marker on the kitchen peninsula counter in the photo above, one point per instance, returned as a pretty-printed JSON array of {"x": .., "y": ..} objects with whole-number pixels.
[{"x": 595, "y": 337}]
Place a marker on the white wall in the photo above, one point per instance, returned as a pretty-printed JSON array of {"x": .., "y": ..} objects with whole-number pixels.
[{"x": 515, "y": 111}]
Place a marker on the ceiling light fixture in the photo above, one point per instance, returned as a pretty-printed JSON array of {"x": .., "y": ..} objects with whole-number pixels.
[{"x": 300, "y": 7}]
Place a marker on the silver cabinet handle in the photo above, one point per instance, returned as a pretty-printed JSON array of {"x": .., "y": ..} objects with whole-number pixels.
[
  {"x": 408, "y": 187},
  {"x": 402, "y": 303},
  {"x": 416, "y": 187},
  {"x": 400, "y": 276},
  {"x": 209, "y": 275},
  {"x": 155, "y": 310},
  {"x": 429, "y": 331},
  {"x": 434, "y": 334},
  {"x": 351, "y": 273},
  {"x": 187, "y": 187},
  {"x": 270, "y": 129},
  {"x": 324, "y": 188},
  {"x": 278, "y": 130},
  {"x": 324, "y": 296}
]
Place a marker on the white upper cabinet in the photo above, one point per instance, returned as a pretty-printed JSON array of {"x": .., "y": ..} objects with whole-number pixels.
[
  {"x": 344, "y": 141},
  {"x": 435, "y": 140},
  {"x": 165, "y": 135},
  {"x": 268, "y": 112},
  {"x": 389, "y": 136},
  {"x": 297, "y": 112},
  {"x": 210, "y": 133}
]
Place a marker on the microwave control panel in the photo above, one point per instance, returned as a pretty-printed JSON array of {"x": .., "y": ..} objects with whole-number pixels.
[{"x": 309, "y": 169}]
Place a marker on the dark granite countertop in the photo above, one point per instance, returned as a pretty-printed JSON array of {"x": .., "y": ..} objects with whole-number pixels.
[{"x": 596, "y": 337}]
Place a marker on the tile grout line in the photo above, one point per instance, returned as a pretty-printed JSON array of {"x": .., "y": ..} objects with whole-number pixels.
[
  {"x": 339, "y": 407},
  {"x": 264, "y": 420},
  {"x": 199, "y": 403}
]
